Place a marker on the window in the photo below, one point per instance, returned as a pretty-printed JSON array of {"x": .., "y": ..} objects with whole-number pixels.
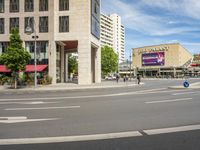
[
  {"x": 63, "y": 5},
  {"x": 29, "y": 6},
  {"x": 43, "y": 6},
  {"x": 3, "y": 47},
  {"x": 14, "y": 23},
  {"x": 43, "y": 25},
  {"x": 42, "y": 46},
  {"x": 28, "y": 21},
  {"x": 1, "y": 6},
  {"x": 1, "y": 25},
  {"x": 14, "y": 5},
  {"x": 64, "y": 24}
]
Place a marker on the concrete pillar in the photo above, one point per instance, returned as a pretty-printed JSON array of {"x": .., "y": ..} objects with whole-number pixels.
[
  {"x": 62, "y": 65},
  {"x": 84, "y": 63},
  {"x": 98, "y": 66},
  {"x": 66, "y": 67},
  {"x": 52, "y": 61},
  {"x": 174, "y": 72}
]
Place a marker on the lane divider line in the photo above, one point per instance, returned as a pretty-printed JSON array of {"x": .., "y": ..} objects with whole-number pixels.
[
  {"x": 43, "y": 108},
  {"x": 69, "y": 138},
  {"x": 172, "y": 130},
  {"x": 168, "y": 101}
]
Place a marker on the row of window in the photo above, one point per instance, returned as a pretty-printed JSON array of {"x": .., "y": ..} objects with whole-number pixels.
[
  {"x": 41, "y": 51},
  {"x": 14, "y": 5},
  {"x": 29, "y": 21}
]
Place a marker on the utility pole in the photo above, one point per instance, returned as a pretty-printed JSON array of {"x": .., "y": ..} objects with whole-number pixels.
[{"x": 130, "y": 65}]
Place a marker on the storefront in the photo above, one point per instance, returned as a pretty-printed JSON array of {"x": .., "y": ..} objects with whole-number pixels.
[{"x": 166, "y": 60}]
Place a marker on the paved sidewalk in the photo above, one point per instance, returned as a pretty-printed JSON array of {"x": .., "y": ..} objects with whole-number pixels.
[
  {"x": 72, "y": 86},
  {"x": 192, "y": 86}
]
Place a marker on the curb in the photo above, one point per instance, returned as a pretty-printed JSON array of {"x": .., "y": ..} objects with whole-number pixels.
[{"x": 43, "y": 89}]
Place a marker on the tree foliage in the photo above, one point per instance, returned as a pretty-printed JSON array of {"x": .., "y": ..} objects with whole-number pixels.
[
  {"x": 72, "y": 64},
  {"x": 109, "y": 60},
  {"x": 15, "y": 57}
]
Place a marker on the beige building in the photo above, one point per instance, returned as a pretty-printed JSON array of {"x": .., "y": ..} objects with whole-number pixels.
[
  {"x": 161, "y": 60},
  {"x": 62, "y": 27}
]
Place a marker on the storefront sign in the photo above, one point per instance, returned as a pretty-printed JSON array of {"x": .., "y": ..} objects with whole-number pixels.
[
  {"x": 153, "y": 59},
  {"x": 151, "y": 50}
]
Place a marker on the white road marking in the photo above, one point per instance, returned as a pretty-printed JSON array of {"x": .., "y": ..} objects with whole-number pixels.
[
  {"x": 22, "y": 119},
  {"x": 161, "y": 90},
  {"x": 43, "y": 108},
  {"x": 69, "y": 138},
  {"x": 28, "y": 103},
  {"x": 167, "y": 101},
  {"x": 183, "y": 93},
  {"x": 171, "y": 130}
]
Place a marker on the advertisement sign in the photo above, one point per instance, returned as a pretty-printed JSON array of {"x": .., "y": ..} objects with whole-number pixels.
[{"x": 153, "y": 59}]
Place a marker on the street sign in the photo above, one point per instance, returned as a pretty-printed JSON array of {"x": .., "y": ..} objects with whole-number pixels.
[{"x": 186, "y": 84}]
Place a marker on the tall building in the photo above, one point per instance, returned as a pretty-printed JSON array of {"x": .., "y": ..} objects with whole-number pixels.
[
  {"x": 113, "y": 34},
  {"x": 62, "y": 27}
]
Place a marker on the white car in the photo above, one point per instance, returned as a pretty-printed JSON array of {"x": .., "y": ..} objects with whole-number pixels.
[{"x": 110, "y": 78}]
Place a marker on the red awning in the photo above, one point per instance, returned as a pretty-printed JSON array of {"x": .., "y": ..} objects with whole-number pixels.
[
  {"x": 39, "y": 68},
  {"x": 29, "y": 68},
  {"x": 3, "y": 68}
]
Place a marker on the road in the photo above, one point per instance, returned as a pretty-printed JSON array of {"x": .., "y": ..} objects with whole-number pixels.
[{"x": 148, "y": 116}]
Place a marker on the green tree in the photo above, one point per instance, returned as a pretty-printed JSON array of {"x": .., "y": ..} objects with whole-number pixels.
[
  {"x": 72, "y": 64},
  {"x": 109, "y": 60},
  {"x": 16, "y": 57}
]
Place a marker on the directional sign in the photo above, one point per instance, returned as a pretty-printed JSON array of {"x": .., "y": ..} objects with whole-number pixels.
[
  {"x": 186, "y": 84},
  {"x": 21, "y": 119}
]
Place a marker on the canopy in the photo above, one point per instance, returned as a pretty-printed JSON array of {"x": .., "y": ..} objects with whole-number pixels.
[{"x": 29, "y": 68}]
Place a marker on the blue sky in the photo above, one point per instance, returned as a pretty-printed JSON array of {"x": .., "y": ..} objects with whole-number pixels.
[{"x": 152, "y": 22}]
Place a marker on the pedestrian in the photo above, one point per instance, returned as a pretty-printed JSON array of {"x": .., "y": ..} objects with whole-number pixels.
[
  {"x": 124, "y": 78},
  {"x": 138, "y": 78},
  {"x": 117, "y": 78}
]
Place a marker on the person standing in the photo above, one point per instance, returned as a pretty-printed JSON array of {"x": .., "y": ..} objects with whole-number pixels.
[{"x": 138, "y": 79}]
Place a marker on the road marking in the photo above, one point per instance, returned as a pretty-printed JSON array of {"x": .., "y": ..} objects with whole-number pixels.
[
  {"x": 43, "y": 108},
  {"x": 161, "y": 90},
  {"x": 171, "y": 130},
  {"x": 69, "y": 138},
  {"x": 28, "y": 103},
  {"x": 22, "y": 119},
  {"x": 183, "y": 93},
  {"x": 167, "y": 101}
]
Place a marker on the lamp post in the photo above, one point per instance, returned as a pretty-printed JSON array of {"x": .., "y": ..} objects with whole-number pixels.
[
  {"x": 130, "y": 65},
  {"x": 29, "y": 30}
]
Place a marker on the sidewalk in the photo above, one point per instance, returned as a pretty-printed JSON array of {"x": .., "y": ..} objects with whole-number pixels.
[
  {"x": 192, "y": 86},
  {"x": 71, "y": 86}
]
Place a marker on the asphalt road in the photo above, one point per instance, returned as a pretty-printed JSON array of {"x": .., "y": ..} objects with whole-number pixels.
[{"x": 117, "y": 118}]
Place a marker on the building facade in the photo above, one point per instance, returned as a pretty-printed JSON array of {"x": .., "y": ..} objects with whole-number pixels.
[
  {"x": 62, "y": 27},
  {"x": 113, "y": 34},
  {"x": 166, "y": 60}
]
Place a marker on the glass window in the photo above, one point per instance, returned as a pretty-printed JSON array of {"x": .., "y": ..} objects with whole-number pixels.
[
  {"x": 1, "y": 25},
  {"x": 29, "y": 6},
  {"x": 14, "y": 23},
  {"x": 63, "y": 5},
  {"x": 1, "y": 6},
  {"x": 3, "y": 47},
  {"x": 28, "y": 21},
  {"x": 43, "y": 6},
  {"x": 14, "y": 5},
  {"x": 43, "y": 25},
  {"x": 64, "y": 24}
]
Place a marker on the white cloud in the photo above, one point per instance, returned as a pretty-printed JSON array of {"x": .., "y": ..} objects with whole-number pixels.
[
  {"x": 136, "y": 19},
  {"x": 189, "y": 8}
]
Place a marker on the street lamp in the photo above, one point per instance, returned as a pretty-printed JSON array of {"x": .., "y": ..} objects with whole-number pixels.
[
  {"x": 130, "y": 65},
  {"x": 29, "y": 30}
]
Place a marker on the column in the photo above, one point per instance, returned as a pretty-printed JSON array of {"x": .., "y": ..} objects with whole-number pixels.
[
  {"x": 66, "y": 68},
  {"x": 62, "y": 65}
]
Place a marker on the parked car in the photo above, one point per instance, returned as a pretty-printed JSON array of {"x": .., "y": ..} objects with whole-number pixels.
[{"x": 110, "y": 78}]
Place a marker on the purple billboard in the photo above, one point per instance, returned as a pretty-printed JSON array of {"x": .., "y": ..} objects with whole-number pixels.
[{"x": 153, "y": 59}]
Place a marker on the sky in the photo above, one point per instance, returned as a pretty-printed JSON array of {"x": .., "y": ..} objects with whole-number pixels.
[{"x": 153, "y": 22}]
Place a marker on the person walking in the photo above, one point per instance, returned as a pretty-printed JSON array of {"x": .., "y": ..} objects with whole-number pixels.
[
  {"x": 117, "y": 78},
  {"x": 138, "y": 79}
]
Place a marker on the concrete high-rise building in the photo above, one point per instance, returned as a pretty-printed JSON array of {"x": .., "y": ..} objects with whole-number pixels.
[
  {"x": 62, "y": 27},
  {"x": 113, "y": 34}
]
